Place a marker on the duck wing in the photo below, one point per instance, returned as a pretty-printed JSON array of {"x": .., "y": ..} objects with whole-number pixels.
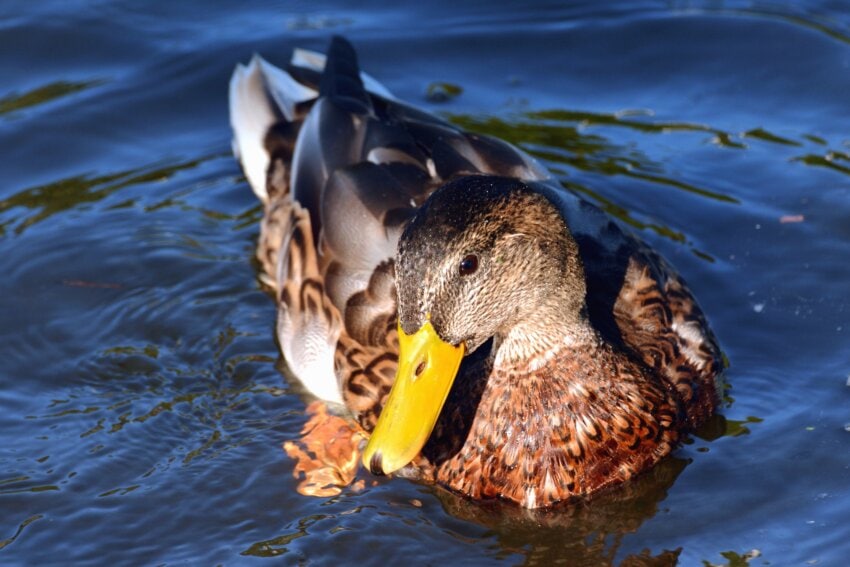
[{"x": 340, "y": 166}]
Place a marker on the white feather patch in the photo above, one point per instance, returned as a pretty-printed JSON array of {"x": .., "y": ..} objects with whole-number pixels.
[
  {"x": 308, "y": 345},
  {"x": 251, "y": 115},
  {"x": 530, "y": 498},
  {"x": 286, "y": 91},
  {"x": 260, "y": 94},
  {"x": 692, "y": 337}
]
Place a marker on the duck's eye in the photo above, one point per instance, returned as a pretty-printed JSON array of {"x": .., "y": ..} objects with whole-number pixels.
[{"x": 468, "y": 265}]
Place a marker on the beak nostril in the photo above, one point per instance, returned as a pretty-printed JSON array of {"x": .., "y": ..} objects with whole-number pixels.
[
  {"x": 375, "y": 464},
  {"x": 419, "y": 369}
]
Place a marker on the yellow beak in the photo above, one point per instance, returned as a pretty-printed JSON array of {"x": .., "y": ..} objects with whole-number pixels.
[{"x": 427, "y": 366}]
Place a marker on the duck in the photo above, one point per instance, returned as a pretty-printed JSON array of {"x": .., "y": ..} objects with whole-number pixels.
[{"x": 492, "y": 332}]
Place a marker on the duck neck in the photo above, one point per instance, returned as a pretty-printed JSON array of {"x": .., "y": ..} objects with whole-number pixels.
[{"x": 530, "y": 343}]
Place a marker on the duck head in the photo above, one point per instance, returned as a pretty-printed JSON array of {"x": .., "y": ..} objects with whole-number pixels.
[{"x": 483, "y": 257}]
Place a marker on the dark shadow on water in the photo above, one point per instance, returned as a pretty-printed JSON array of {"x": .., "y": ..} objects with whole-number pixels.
[{"x": 581, "y": 532}]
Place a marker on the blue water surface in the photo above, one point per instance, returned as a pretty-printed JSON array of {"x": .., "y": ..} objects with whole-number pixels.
[{"x": 143, "y": 403}]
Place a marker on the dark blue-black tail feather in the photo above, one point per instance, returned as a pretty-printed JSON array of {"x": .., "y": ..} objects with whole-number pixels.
[{"x": 341, "y": 80}]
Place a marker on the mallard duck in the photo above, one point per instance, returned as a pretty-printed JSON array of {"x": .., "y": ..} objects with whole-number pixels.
[{"x": 494, "y": 332}]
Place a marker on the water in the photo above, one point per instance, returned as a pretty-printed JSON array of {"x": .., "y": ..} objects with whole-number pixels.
[{"x": 142, "y": 402}]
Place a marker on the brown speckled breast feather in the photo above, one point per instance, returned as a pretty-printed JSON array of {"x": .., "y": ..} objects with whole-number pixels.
[{"x": 541, "y": 437}]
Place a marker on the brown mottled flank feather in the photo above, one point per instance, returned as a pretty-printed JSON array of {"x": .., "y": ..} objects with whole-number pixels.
[
  {"x": 662, "y": 324},
  {"x": 343, "y": 174}
]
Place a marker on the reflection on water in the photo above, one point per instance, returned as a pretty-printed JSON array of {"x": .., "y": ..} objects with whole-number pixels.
[
  {"x": 587, "y": 532},
  {"x": 836, "y": 161},
  {"x": 798, "y": 15},
  {"x": 24, "y": 524},
  {"x": 278, "y": 545},
  {"x": 556, "y": 137},
  {"x": 67, "y": 194},
  {"x": 41, "y": 95}
]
